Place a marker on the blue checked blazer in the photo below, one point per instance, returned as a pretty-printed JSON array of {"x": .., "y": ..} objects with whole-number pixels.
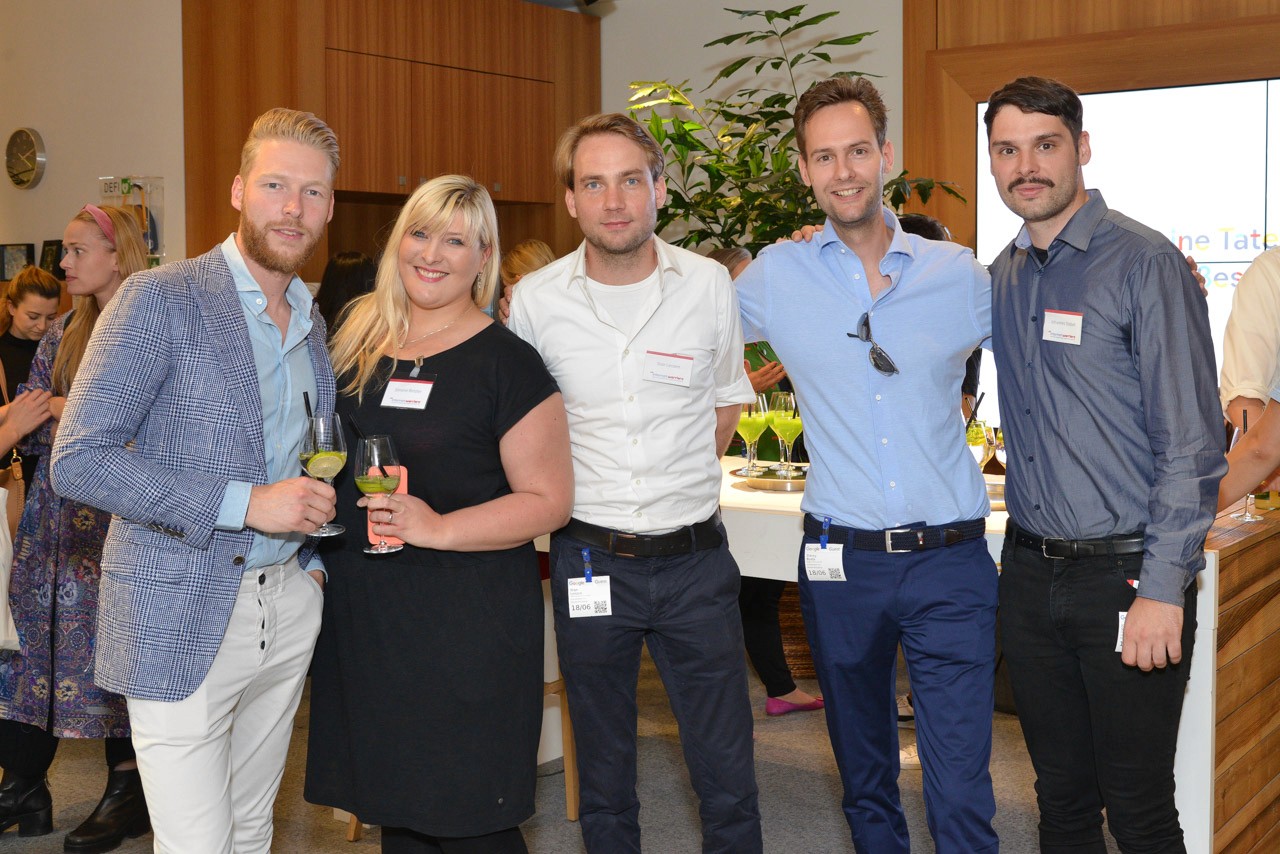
[{"x": 164, "y": 411}]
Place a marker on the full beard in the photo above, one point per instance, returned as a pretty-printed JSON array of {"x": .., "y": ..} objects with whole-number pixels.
[{"x": 259, "y": 249}]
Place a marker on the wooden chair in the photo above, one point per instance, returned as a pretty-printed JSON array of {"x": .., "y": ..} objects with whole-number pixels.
[{"x": 570, "y": 751}]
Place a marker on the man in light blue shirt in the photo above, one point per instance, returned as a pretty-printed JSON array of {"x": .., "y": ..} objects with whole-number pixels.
[
  {"x": 185, "y": 422},
  {"x": 875, "y": 326}
]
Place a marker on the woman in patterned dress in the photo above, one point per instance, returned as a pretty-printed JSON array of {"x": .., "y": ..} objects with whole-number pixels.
[{"x": 46, "y": 687}]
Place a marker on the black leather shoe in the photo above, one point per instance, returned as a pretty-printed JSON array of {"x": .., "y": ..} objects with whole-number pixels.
[
  {"x": 26, "y": 802},
  {"x": 121, "y": 812}
]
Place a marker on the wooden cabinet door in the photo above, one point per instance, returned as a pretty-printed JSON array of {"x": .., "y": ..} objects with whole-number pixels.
[
  {"x": 489, "y": 126},
  {"x": 369, "y": 108}
]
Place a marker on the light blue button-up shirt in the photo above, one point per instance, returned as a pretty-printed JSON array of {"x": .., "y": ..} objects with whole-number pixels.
[
  {"x": 884, "y": 450},
  {"x": 284, "y": 373}
]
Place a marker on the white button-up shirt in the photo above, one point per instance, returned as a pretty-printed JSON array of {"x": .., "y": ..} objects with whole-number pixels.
[{"x": 644, "y": 452}]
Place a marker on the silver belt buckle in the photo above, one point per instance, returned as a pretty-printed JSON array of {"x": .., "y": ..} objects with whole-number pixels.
[
  {"x": 888, "y": 541},
  {"x": 1044, "y": 545}
]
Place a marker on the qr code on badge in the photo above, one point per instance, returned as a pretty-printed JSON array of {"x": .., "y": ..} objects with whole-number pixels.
[{"x": 600, "y": 607}]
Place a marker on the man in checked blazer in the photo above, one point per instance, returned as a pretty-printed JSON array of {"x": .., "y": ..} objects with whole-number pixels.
[{"x": 185, "y": 422}]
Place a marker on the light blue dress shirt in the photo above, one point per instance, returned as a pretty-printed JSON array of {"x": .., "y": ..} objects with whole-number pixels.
[
  {"x": 284, "y": 373},
  {"x": 884, "y": 450}
]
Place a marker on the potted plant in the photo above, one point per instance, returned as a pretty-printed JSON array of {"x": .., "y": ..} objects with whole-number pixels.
[{"x": 731, "y": 173}]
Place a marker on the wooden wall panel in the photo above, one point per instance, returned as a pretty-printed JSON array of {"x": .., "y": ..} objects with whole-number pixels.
[
  {"x": 576, "y": 70},
  {"x": 944, "y": 144},
  {"x": 965, "y": 23},
  {"x": 508, "y": 37},
  {"x": 240, "y": 59}
]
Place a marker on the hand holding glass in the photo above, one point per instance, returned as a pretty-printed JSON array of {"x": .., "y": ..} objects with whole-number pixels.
[
  {"x": 324, "y": 453},
  {"x": 378, "y": 474},
  {"x": 1247, "y": 514}
]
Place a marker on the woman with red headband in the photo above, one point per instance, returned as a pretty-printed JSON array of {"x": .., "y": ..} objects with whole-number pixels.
[{"x": 46, "y": 687}]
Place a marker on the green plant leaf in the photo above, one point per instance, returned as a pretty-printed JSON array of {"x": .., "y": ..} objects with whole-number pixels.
[
  {"x": 808, "y": 22},
  {"x": 846, "y": 40}
]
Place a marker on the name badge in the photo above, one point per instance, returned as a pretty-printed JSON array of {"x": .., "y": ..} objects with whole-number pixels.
[
  {"x": 824, "y": 564},
  {"x": 407, "y": 394},
  {"x": 669, "y": 368},
  {"x": 1120, "y": 632},
  {"x": 1063, "y": 327},
  {"x": 590, "y": 598}
]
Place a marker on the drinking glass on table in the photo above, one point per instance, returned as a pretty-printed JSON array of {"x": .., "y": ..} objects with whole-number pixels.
[
  {"x": 1001, "y": 454},
  {"x": 378, "y": 473},
  {"x": 324, "y": 453},
  {"x": 784, "y": 418},
  {"x": 1246, "y": 515},
  {"x": 752, "y": 422}
]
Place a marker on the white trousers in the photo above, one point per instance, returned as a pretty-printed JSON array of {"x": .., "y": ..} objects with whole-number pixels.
[{"x": 211, "y": 764}]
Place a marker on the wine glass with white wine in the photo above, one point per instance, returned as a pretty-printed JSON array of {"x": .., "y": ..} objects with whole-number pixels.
[
  {"x": 378, "y": 473},
  {"x": 324, "y": 453}
]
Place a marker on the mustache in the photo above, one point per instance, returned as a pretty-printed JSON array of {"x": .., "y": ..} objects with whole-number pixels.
[{"x": 1020, "y": 181}]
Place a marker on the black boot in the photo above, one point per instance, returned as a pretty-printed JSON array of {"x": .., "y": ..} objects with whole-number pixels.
[
  {"x": 121, "y": 812},
  {"x": 26, "y": 802}
]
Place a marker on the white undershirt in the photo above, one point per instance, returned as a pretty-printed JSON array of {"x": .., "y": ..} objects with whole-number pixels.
[{"x": 623, "y": 302}]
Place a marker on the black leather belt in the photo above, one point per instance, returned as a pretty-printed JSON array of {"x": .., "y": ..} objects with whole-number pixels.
[
  {"x": 691, "y": 538},
  {"x": 910, "y": 538},
  {"x": 1061, "y": 549}
]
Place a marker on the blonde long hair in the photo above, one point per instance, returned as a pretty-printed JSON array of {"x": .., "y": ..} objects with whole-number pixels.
[
  {"x": 376, "y": 323},
  {"x": 131, "y": 256}
]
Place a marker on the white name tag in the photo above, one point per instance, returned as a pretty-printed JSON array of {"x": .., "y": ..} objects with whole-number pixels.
[
  {"x": 669, "y": 368},
  {"x": 590, "y": 598},
  {"x": 407, "y": 394},
  {"x": 824, "y": 564},
  {"x": 1063, "y": 326},
  {"x": 1120, "y": 632}
]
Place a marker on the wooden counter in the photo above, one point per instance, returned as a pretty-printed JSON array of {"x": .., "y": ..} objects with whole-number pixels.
[{"x": 1245, "y": 735}]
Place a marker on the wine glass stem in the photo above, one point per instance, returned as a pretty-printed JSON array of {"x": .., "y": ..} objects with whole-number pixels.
[
  {"x": 786, "y": 457},
  {"x": 751, "y": 456}
]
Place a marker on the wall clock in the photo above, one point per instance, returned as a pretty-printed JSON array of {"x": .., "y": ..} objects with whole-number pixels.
[{"x": 25, "y": 158}]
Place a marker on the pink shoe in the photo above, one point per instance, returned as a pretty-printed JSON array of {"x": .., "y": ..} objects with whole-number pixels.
[{"x": 773, "y": 707}]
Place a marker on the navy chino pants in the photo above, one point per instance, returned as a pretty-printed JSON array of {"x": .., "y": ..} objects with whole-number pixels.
[
  {"x": 685, "y": 607},
  {"x": 940, "y": 605}
]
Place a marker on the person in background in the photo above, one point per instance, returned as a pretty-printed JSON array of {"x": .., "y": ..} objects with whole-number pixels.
[
  {"x": 30, "y": 306},
  {"x": 488, "y": 469},
  {"x": 644, "y": 341},
  {"x": 1113, "y": 427},
  {"x": 47, "y": 688},
  {"x": 186, "y": 423},
  {"x": 758, "y": 598},
  {"x": 517, "y": 262},
  {"x": 346, "y": 276}
]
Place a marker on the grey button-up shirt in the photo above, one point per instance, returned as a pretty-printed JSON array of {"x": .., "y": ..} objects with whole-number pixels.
[{"x": 1120, "y": 432}]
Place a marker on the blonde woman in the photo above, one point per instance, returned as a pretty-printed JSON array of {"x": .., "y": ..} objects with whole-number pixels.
[
  {"x": 46, "y": 687},
  {"x": 427, "y": 679}
]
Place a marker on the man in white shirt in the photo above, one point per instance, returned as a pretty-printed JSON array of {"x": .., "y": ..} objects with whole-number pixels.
[
  {"x": 1251, "y": 348},
  {"x": 644, "y": 341}
]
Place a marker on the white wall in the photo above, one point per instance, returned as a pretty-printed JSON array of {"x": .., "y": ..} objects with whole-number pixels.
[
  {"x": 102, "y": 83},
  {"x": 662, "y": 39}
]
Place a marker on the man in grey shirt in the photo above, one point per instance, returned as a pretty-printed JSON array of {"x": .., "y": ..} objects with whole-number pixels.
[{"x": 1109, "y": 405}]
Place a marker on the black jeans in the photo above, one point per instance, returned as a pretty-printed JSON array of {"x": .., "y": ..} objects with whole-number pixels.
[
  {"x": 402, "y": 840},
  {"x": 1100, "y": 734}
]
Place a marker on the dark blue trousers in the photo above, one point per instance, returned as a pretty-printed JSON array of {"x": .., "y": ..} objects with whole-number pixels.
[
  {"x": 686, "y": 608},
  {"x": 940, "y": 605},
  {"x": 1100, "y": 734}
]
